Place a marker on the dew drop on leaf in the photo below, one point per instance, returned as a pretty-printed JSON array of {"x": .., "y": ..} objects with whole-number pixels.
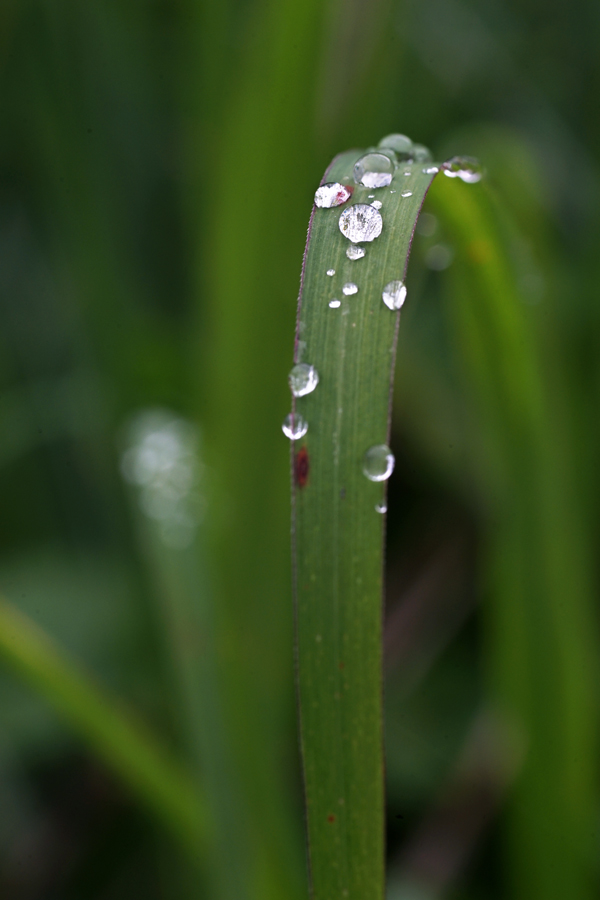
[
  {"x": 332, "y": 194},
  {"x": 294, "y": 426},
  {"x": 350, "y": 288},
  {"x": 303, "y": 379},
  {"x": 334, "y": 304},
  {"x": 381, "y": 508},
  {"x": 464, "y": 167},
  {"x": 399, "y": 143},
  {"x": 394, "y": 294},
  {"x": 430, "y": 170},
  {"x": 331, "y": 272},
  {"x": 378, "y": 463},
  {"x": 376, "y": 204},
  {"x": 355, "y": 252},
  {"x": 406, "y": 194},
  {"x": 374, "y": 170},
  {"x": 361, "y": 223},
  {"x": 420, "y": 153}
]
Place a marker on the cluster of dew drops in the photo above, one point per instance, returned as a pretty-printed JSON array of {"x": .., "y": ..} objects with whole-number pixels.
[{"x": 362, "y": 223}]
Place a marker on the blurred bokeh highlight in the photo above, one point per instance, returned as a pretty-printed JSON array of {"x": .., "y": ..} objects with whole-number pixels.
[{"x": 158, "y": 162}]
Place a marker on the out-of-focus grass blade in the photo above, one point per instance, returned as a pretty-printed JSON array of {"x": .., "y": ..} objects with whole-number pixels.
[
  {"x": 540, "y": 624},
  {"x": 127, "y": 748},
  {"x": 338, "y": 533}
]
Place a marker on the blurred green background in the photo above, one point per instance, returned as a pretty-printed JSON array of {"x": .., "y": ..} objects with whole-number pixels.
[{"x": 157, "y": 166}]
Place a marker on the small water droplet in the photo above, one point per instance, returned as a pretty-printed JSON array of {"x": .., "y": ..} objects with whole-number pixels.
[
  {"x": 355, "y": 252},
  {"x": 303, "y": 379},
  {"x": 361, "y": 223},
  {"x": 331, "y": 272},
  {"x": 394, "y": 294},
  {"x": 378, "y": 463},
  {"x": 431, "y": 170},
  {"x": 399, "y": 143},
  {"x": 374, "y": 170},
  {"x": 376, "y": 204},
  {"x": 370, "y": 196},
  {"x": 426, "y": 224},
  {"x": 421, "y": 153},
  {"x": 350, "y": 288},
  {"x": 407, "y": 173},
  {"x": 381, "y": 508},
  {"x": 294, "y": 426},
  {"x": 334, "y": 304},
  {"x": 332, "y": 194},
  {"x": 406, "y": 194},
  {"x": 393, "y": 192},
  {"x": 464, "y": 167},
  {"x": 438, "y": 257}
]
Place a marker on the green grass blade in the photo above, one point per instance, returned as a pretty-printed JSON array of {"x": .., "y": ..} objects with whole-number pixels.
[
  {"x": 540, "y": 620},
  {"x": 338, "y": 534},
  {"x": 126, "y": 747}
]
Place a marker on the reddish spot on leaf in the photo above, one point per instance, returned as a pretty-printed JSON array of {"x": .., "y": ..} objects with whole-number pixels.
[
  {"x": 301, "y": 467},
  {"x": 341, "y": 665},
  {"x": 331, "y": 818}
]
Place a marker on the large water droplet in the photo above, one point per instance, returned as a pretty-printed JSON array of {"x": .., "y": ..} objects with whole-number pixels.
[
  {"x": 335, "y": 304},
  {"x": 303, "y": 379},
  {"x": 420, "y": 153},
  {"x": 361, "y": 223},
  {"x": 376, "y": 204},
  {"x": 332, "y": 194},
  {"x": 378, "y": 463},
  {"x": 355, "y": 252},
  {"x": 350, "y": 288},
  {"x": 374, "y": 170},
  {"x": 294, "y": 426},
  {"x": 394, "y": 294},
  {"x": 399, "y": 143},
  {"x": 464, "y": 167}
]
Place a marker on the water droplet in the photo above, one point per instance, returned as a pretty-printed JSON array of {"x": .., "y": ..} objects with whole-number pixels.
[
  {"x": 294, "y": 426},
  {"x": 335, "y": 304},
  {"x": 394, "y": 294},
  {"x": 399, "y": 143},
  {"x": 438, "y": 257},
  {"x": 361, "y": 223},
  {"x": 374, "y": 170},
  {"x": 393, "y": 192},
  {"x": 376, "y": 204},
  {"x": 355, "y": 252},
  {"x": 332, "y": 194},
  {"x": 464, "y": 167},
  {"x": 331, "y": 271},
  {"x": 350, "y": 288},
  {"x": 303, "y": 379},
  {"x": 370, "y": 196},
  {"x": 381, "y": 508},
  {"x": 431, "y": 170},
  {"x": 378, "y": 463},
  {"x": 420, "y": 153},
  {"x": 407, "y": 173},
  {"x": 406, "y": 194},
  {"x": 426, "y": 224}
]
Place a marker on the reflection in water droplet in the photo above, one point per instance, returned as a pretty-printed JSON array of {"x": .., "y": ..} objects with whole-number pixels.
[
  {"x": 335, "y": 304},
  {"x": 376, "y": 204},
  {"x": 464, "y": 167},
  {"x": 374, "y": 170},
  {"x": 294, "y": 426},
  {"x": 420, "y": 153},
  {"x": 427, "y": 224},
  {"x": 162, "y": 461},
  {"x": 303, "y": 379},
  {"x": 350, "y": 288},
  {"x": 438, "y": 257},
  {"x": 381, "y": 508},
  {"x": 361, "y": 223},
  {"x": 378, "y": 463},
  {"x": 355, "y": 252},
  {"x": 332, "y": 194},
  {"x": 331, "y": 271},
  {"x": 431, "y": 170},
  {"x": 406, "y": 194},
  {"x": 399, "y": 143},
  {"x": 394, "y": 294}
]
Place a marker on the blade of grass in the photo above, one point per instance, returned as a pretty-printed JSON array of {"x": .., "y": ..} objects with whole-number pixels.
[
  {"x": 540, "y": 622},
  {"x": 338, "y": 534},
  {"x": 129, "y": 749}
]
